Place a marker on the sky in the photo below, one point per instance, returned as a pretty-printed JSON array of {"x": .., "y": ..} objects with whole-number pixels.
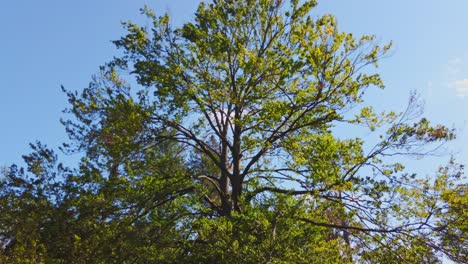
[{"x": 49, "y": 43}]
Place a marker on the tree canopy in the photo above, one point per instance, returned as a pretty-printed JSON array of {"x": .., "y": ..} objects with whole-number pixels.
[{"x": 218, "y": 141}]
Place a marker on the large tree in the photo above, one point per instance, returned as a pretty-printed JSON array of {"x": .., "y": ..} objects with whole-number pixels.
[{"x": 226, "y": 149}]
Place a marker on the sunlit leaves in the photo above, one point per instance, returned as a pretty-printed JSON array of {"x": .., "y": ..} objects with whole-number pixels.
[{"x": 238, "y": 141}]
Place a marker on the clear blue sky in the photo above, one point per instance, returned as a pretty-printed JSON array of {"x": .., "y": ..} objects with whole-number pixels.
[{"x": 51, "y": 42}]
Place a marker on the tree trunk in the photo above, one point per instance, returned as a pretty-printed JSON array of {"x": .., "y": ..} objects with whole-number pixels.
[{"x": 236, "y": 180}]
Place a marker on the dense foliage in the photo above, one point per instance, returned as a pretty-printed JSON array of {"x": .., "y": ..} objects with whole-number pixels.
[{"x": 227, "y": 149}]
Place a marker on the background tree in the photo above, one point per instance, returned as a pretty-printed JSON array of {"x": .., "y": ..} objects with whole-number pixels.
[{"x": 227, "y": 149}]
